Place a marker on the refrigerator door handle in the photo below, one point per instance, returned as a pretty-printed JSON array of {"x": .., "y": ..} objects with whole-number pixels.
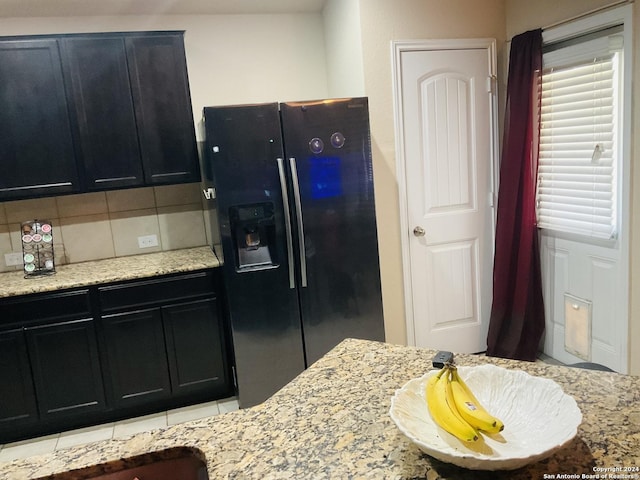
[
  {"x": 296, "y": 196},
  {"x": 287, "y": 222}
]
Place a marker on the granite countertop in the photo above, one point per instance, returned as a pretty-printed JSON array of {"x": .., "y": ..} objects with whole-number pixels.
[
  {"x": 332, "y": 422},
  {"x": 109, "y": 270}
]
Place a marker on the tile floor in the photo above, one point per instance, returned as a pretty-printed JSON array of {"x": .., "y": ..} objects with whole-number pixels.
[
  {"x": 543, "y": 357},
  {"x": 50, "y": 443}
]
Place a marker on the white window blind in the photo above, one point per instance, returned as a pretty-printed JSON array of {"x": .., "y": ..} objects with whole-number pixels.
[{"x": 577, "y": 169}]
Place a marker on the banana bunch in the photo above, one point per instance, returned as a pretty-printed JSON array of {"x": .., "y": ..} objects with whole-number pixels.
[{"x": 454, "y": 407}]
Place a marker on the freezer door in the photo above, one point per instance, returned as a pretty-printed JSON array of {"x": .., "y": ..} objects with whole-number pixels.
[
  {"x": 245, "y": 159},
  {"x": 327, "y": 146}
]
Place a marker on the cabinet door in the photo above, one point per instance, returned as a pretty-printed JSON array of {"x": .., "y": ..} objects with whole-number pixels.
[
  {"x": 195, "y": 348},
  {"x": 137, "y": 357},
  {"x": 160, "y": 88},
  {"x": 106, "y": 126},
  {"x": 36, "y": 147},
  {"x": 17, "y": 397},
  {"x": 66, "y": 368}
]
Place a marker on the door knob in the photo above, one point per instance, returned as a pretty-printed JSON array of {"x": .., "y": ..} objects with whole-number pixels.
[{"x": 419, "y": 231}]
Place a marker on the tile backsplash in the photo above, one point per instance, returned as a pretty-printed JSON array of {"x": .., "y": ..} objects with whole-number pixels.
[{"x": 93, "y": 226}]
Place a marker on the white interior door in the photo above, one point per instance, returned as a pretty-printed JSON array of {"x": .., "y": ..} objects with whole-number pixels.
[{"x": 446, "y": 144}]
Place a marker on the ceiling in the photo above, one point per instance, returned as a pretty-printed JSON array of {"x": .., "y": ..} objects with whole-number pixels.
[{"x": 67, "y": 8}]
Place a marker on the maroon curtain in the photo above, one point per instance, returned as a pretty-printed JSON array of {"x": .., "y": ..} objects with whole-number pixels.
[{"x": 517, "y": 312}]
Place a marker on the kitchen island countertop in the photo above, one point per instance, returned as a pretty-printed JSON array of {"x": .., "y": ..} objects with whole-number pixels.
[
  {"x": 332, "y": 422},
  {"x": 77, "y": 275}
]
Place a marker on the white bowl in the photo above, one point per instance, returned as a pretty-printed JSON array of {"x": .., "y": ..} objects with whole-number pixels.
[{"x": 539, "y": 419}]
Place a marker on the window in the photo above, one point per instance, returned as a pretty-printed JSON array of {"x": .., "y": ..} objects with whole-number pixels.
[{"x": 580, "y": 154}]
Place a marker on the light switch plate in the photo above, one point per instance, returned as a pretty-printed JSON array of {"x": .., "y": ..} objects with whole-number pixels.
[
  {"x": 148, "y": 241},
  {"x": 13, "y": 259}
]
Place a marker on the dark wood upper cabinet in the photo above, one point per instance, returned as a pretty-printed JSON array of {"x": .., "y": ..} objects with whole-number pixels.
[
  {"x": 36, "y": 148},
  {"x": 92, "y": 112},
  {"x": 106, "y": 133},
  {"x": 160, "y": 88}
]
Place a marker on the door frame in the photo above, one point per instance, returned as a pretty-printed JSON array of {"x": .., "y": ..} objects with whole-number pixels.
[{"x": 397, "y": 48}]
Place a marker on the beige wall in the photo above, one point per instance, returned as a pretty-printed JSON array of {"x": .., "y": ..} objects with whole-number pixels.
[
  {"x": 383, "y": 21},
  {"x": 522, "y": 15},
  {"x": 343, "y": 48}
]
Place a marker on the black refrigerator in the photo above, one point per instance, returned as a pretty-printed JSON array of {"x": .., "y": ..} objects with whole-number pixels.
[{"x": 293, "y": 221}]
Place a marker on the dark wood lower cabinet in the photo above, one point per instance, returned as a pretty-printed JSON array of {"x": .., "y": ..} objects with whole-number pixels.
[
  {"x": 194, "y": 347},
  {"x": 137, "y": 357},
  {"x": 173, "y": 350},
  {"x": 109, "y": 352},
  {"x": 66, "y": 368},
  {"x": 18, "y": 401}
]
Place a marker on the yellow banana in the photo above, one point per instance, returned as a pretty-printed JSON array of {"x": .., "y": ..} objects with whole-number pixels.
[
  {"x": 451, "y": 400},
  {"x": 470, "y": 408},
  {"x": 442, "y": 412}
]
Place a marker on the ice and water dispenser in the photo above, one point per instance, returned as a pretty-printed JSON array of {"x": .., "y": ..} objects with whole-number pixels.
[{"x": 254, "y": 234}]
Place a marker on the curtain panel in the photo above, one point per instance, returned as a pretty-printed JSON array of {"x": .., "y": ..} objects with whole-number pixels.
[{"x": 517, "y": 312}]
